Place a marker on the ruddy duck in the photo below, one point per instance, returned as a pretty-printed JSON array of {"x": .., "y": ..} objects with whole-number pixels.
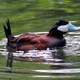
[{"x": 29, "y": 41}]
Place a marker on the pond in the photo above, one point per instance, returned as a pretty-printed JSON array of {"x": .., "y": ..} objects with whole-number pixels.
[
  {"x": 64, "y": 63},
  {"x": 39, "y": 15}
]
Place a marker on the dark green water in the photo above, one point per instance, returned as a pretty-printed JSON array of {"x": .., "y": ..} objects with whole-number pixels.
[{"x": 40, "y": 15}]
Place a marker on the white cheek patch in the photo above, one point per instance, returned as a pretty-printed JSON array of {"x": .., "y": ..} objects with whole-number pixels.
[{"x": 63, "y": 28}]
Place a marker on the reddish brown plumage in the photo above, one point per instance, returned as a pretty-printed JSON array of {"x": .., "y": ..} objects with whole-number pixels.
[{"x": 32, "y": 41}]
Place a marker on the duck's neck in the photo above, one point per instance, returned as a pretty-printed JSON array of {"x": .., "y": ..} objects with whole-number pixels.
[{"x": 56, "y": 33}]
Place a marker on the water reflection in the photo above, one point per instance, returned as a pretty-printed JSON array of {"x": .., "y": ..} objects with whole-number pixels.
[
  {"x": 59, "y": 57},
  {"x": 60, "y": 54}
]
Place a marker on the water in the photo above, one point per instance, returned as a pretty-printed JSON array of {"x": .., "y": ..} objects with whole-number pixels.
[{"x": 62, "y": 63}]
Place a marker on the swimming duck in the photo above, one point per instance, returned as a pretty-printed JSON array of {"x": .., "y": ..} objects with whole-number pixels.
[{"x": 28, "y": 41}]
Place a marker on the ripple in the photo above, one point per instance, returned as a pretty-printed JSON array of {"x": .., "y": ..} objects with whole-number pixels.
[{"x": 61, "y": 71}]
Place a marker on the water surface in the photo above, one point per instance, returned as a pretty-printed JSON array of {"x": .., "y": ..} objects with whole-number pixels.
[{"x": 67, "y": 68}]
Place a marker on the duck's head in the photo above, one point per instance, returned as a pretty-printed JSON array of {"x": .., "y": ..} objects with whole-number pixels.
[
  {"x": 66, "y": 26},
  {"x": 61, "y": 27}
]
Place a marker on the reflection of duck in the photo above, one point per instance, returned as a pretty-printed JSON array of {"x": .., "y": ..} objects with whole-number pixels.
[{"x": 29, "y": 41}]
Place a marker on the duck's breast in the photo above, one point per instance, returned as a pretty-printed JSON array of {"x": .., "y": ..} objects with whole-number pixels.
[{"x": 56, "y": 42}]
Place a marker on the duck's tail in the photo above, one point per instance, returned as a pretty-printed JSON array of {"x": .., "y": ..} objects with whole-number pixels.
[
  {"x": 10, "y": 38},
  {"x": 7, "y": 29}
]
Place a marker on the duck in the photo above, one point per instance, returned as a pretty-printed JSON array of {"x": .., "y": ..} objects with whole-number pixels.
[{"x": 29, "y": 41}]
